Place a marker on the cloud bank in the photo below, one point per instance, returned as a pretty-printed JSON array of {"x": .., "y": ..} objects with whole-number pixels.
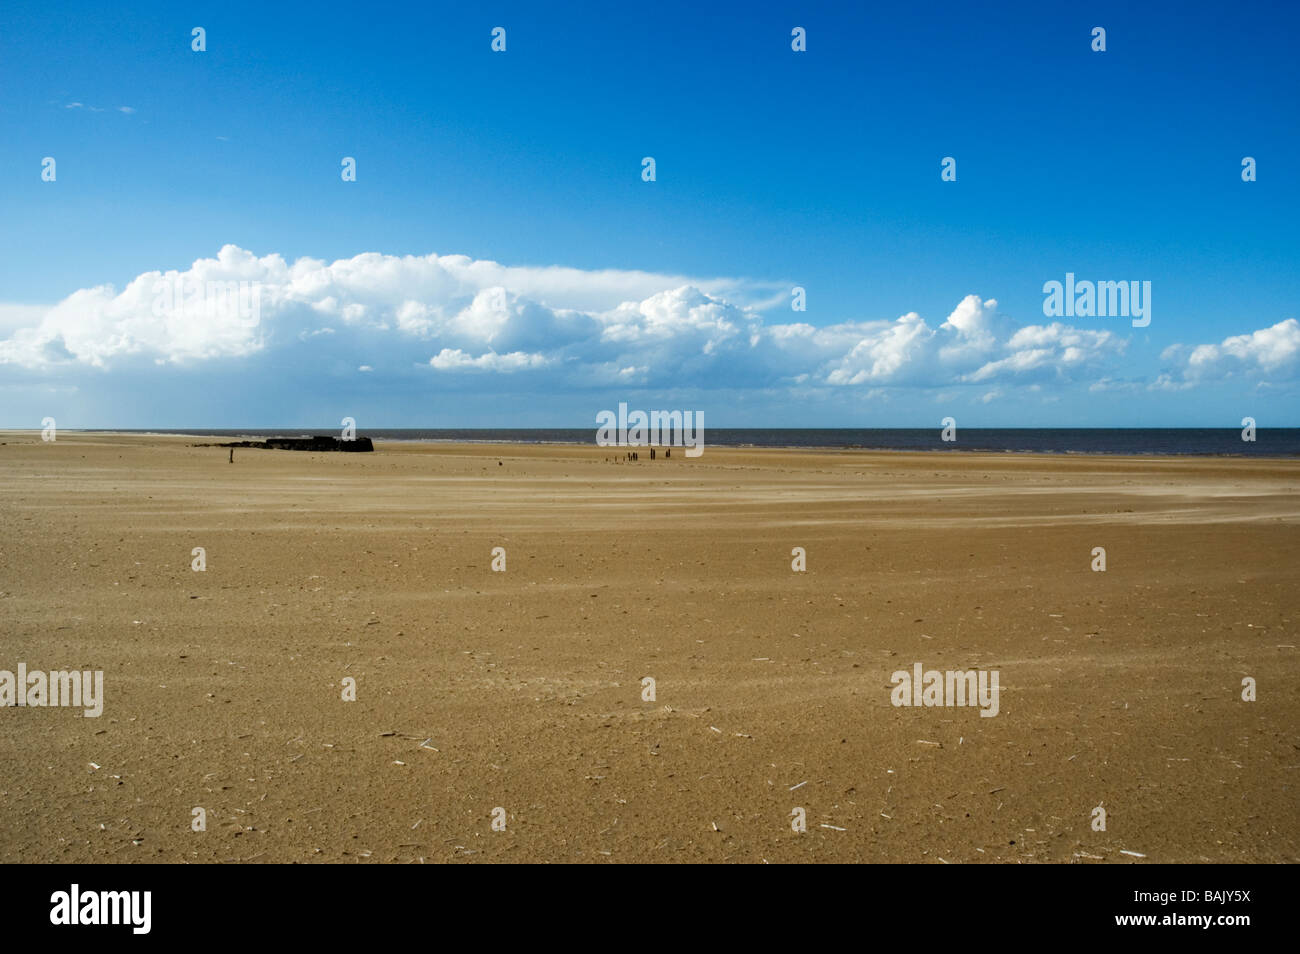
[
  {"x": 1268, "y": 354},
  {"x": 452, "y": 315}
]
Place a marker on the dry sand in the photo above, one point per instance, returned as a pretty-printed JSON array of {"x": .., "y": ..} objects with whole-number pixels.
[{"x": 223, "y": 688}]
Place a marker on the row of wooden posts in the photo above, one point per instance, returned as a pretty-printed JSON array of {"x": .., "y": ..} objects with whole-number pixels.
[{"x": 632, "y": 455}]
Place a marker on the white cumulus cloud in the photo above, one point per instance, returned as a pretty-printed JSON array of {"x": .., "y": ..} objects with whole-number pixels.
[
  {"x": 573, "y": 328},
  {"x": 1272, "y": 352}
]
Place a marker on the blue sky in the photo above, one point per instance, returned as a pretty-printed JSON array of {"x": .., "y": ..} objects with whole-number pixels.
[{"x": 773, "y": 169}]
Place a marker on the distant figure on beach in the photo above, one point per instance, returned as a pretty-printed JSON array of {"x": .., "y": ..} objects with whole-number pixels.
[
  {"x": 652, "y": 453},
  {"x": 232, "y": 453}
]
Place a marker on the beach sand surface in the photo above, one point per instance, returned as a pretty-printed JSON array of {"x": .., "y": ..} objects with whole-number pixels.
[{"x": 522, "y": 690}]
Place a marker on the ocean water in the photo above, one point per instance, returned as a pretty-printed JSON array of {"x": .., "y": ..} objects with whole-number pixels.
[{"x": 1269, "y": 442}]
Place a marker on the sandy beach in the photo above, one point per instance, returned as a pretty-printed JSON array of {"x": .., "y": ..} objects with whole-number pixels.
[{"x": 523, "y": 689}]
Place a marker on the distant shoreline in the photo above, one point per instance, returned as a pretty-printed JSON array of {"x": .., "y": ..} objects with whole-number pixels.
[{"x": 1271, "y": 443}]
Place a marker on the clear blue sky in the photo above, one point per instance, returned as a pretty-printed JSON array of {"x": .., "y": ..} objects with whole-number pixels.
[{"x": 774, "y": 168}]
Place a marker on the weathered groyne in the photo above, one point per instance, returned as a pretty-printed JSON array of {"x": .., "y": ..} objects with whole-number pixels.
[{"x": 315, "y": 443}]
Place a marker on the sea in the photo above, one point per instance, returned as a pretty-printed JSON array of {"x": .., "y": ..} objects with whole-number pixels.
[{"x": 1171, "y": 441}]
